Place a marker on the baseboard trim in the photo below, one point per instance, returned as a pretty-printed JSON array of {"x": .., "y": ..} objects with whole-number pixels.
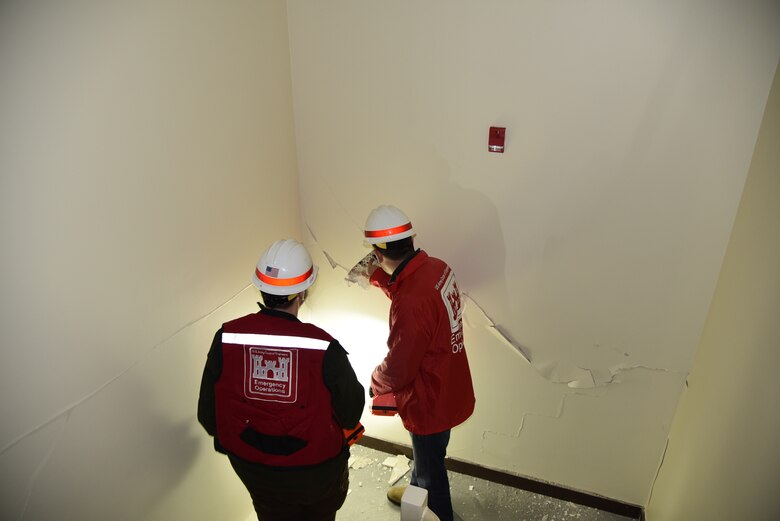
[{"x": 513, "y": 480}]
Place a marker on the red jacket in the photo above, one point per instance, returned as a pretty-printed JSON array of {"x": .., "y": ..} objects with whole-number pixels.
[
  {"x": 272, "y": 405},
  {"x": 426, "y": 367}
]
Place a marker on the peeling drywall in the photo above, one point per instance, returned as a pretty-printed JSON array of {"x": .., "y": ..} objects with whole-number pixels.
[
  {"x": 589, "y": 250},
  {"x": 515, "y": 400},
  {"x": 574, "y": 376},
  {"x": 147, "y": 157}
]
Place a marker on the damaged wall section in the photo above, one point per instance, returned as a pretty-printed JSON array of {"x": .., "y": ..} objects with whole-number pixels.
[{"x": 592, "y": 245}]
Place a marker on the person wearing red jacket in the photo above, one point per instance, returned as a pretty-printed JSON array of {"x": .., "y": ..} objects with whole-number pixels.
[
  {"x": 426, "y": 367},
  {"x": 278, "y": 396}
]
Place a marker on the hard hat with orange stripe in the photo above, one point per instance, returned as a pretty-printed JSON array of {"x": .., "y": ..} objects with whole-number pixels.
[
  {"x": 284, "y": 269},
  {"x": 387, "y": 224}
]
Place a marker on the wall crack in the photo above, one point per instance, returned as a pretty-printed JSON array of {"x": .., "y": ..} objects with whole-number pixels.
[
  {"x": 66, "y": 411},
  {"x": 516, "y": 435},
  {"x": 580, "y": 378}
]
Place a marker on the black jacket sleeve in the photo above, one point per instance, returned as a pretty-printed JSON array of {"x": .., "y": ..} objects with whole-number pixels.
[
  {"x": 207, "y": 415},
  {"x": 347, "y": 395}
]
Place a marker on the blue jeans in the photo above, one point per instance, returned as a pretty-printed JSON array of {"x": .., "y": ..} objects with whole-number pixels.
[{"x": 430, "y": 473}]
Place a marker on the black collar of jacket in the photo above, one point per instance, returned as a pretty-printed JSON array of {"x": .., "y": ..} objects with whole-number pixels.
[
  {"x": 276, "y": 313},
  {"x": 401, "y": 266}
]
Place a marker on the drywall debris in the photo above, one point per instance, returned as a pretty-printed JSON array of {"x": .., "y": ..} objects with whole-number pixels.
[
  {"x": 390, "y": 461},
  {"x": 400, "y": 466},
  {"x": 359, "y": 462}
]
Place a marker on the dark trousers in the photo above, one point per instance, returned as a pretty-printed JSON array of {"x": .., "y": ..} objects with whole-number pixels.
[
  {"x": 309, "y": 501},
  {"x": 430, "y": 473}
]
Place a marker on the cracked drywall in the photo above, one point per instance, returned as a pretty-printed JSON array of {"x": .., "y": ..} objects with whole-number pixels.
[
  {"x": 116, "y": 415},
  {"x": 586, "y": 373},
  {"x": 556, "y": 416},
  {"x": 505, "y": 428},
  {"x": 592, "y": 244},
  {"x": 592, "y": 431},
  {"x": 485, "y": 321},
  {"x": 503, "y": 336},
  {"x": 21, "y": 467},
  {"x": 658, "y": 471},
  {"x": 559, "y": 413},
  {"x": 66, "y": 411},
  {"x": 39, "y": 468}
]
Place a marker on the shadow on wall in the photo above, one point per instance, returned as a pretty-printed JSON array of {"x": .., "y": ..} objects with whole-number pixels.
[
  {"x": 457, "y": 224},
  {"x": 113, "y": 456}
]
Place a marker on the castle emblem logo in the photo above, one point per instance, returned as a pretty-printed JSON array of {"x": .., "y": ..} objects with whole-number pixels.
[
  {"x": 450, "y": 294},
  {"x": 270, "y": 374}
]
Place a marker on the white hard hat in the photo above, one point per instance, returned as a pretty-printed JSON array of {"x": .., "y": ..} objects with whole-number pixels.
[
  {"x": 285, "y": 269},
  {"x": 387, "y": 224}
]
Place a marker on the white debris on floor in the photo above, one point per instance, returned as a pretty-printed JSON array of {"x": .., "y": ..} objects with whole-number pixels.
[
  {"x": 359, "y": 462},
  {"x": 373, "y": 472},
  {"x": 400, "y": 466}
]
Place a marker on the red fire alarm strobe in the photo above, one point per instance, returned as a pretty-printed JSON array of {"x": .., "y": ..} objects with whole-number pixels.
[{"x": 496, "y": 139}]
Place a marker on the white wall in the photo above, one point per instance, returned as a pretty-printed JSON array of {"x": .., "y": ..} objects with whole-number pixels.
[
  {"x": 594, "y": 242},
  {"x": 138, "y": 141},
  {"x": 146, "y": 159},
  {"x": 722, "y": 460}
]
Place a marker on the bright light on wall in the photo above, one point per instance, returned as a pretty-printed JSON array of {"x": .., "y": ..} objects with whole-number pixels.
[{"x": 363, "y": 336}]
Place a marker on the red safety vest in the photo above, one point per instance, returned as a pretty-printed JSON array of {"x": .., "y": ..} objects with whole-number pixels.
[{"x": 272, "y": 406}]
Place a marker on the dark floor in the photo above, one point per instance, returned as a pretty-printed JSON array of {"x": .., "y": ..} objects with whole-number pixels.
[{"x": 473, "y": 499}]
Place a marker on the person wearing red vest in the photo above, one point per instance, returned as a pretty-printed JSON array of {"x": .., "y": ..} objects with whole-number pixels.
[
  {"x": 278, "y": 394},
  {"x": 426, "y": 368}
]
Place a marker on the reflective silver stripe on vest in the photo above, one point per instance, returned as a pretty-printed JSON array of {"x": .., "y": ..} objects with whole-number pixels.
[{"x": 299, "y": 342}]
